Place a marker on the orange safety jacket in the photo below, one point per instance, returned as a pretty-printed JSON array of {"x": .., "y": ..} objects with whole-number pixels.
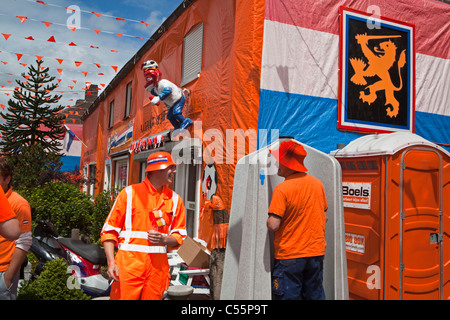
[{"x": 143, "y": 266}]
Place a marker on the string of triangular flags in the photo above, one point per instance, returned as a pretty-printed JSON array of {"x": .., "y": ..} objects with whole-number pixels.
[
  {"x": 59, "y": 60},
  {"x": 73, "y": 28},
  {"x": 77, "y": 63},
  {"x": 76, "y": 113},
  {"x": 53, "y": 40},
  {"x": 90, "y": 12},
  {"x": 87, "y": 86}
]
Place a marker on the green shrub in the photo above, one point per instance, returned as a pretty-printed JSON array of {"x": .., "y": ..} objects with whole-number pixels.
[
  {"x": 65, "y": 205},
  {"x": 52, "y": 284},
  {"x": 102, "y": 206}
]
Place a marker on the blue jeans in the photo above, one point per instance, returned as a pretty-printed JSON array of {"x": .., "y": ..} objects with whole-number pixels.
[
  {"x": 300, "y": 278},
  {"x": 175, "y": 115}
]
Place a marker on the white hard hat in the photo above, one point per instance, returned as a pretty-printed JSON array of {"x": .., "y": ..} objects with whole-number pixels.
[{"x": 149, "y": 64}]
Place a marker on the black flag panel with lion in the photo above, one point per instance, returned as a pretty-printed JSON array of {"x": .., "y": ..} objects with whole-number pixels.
[{"x": 376, "y": 73}]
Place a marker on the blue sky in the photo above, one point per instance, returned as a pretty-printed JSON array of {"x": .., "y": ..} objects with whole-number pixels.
[{"x": 104, "y": 47}]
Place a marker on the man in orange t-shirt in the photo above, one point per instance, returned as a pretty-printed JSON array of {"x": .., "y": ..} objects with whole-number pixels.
[
  {"x": 9, "y": 225},
  {"x": 297, "y": 216},
  {"x": 13, "y": 253}
]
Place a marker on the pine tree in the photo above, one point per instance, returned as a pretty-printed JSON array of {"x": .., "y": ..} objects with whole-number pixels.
[
  {"x": 31, "y": 118},
  {"x": 33, "y": 128}
]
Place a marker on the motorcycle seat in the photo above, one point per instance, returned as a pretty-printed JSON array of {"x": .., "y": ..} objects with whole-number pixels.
[{"x": 90, "y": 252}]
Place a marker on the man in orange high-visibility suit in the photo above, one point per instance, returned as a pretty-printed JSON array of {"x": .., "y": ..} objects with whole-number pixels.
[{"x": 146, "y": 220}]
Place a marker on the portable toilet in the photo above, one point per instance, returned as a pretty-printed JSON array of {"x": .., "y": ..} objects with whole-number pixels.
[
  {"x": 249, "y": 250},
  {"x": 396, "y": 195}
]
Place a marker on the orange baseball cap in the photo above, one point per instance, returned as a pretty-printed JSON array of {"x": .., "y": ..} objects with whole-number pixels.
[
  {"x": 290, "y": 154},
  {"x": 159, "y": 161}
]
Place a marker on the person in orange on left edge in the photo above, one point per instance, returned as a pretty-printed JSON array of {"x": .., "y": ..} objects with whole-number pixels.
[
  {"x": 146, "y": 221},
  {"x": 13, "y": 253}
]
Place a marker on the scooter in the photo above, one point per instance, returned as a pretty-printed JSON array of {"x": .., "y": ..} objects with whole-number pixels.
[{"x": 84, "y": 260}]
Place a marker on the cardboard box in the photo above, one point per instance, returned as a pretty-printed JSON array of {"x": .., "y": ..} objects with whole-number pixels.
[{"x": 194, "y": 254}]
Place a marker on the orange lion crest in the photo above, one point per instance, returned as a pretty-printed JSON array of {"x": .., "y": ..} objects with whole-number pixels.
[{"x": 380, "y": 61}]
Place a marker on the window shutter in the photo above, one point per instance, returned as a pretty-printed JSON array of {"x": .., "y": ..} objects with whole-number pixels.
[{"x": 192, "y": 54}]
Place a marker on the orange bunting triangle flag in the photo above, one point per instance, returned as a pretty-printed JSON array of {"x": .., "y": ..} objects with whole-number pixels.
[
  {"x": 121, "y": 19},
  {"x": 115, "y": 68},
  {"x": 47, "y": 24},
  {"x": 97, "y": 64},
  {"x": 51, "y": 39},
  {"x": 97, "y": 14},
  {"x": 146, "y": 24},
  {"x": 72, "y": 44},
  {"x": 73, "y": 28},
  {"x": 41, "y": 2},
  {"x": 97, "y": 31},
  {"x": 39, "y": 57},
  {"x": 29, "y": 38},
  {"x": 78, "y": 63},
  {"x": 59, "y": 60},
  {"x": 85, "y": 73},
  {"x": 22, "y": 19},
  {"x": 6, "y": 36},
  {"x": 19, "y": 55},
  {"x": 59, "y": 70}
]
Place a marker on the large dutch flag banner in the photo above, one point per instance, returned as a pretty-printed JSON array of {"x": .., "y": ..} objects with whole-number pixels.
[{"x": 335, "y": 70}]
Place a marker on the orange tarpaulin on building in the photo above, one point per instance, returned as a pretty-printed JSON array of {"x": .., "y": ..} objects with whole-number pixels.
[{"x": 225, "y": 95}]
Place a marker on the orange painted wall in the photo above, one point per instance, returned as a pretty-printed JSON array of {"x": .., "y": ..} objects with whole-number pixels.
[{"x": 225, "y": 96}]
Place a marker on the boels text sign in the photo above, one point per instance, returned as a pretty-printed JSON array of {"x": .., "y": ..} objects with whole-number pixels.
[{"x": 356, "y": 194}]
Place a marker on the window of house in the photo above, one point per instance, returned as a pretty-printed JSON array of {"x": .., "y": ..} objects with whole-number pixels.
[
  {"x": 85, "y": 177},
  {"x": 92, "y": 177},
  {"x": 121, "y": 172},
  {"x": 142, "y": 168},
  {"x": 111, "y": 114},
  {"x": 107, "y": 177},
  {"x": 128, "y": 100},
  {"x": 192, "y": 54},
  {"x": 187, "y": 186}
]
